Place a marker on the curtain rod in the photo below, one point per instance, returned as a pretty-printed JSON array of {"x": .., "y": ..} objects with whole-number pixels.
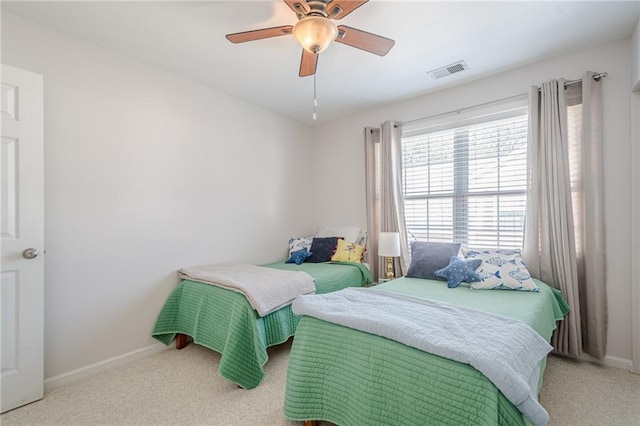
[
  {"x": 596, "y": 77},
  {"x": 459, "y": 110}
]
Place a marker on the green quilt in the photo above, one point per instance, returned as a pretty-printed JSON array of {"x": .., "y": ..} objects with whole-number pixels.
[
  {"x": 348, "y": 377},
  {"x": 223, "y": 320}
]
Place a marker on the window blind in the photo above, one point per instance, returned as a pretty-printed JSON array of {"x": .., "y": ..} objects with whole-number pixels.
[{"x": 467, "y": 182}]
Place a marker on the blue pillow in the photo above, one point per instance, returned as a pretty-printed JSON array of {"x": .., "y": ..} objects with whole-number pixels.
[
  {"x": 322, "y": 249},
  {"x": 298, "y": 257},
  {"x": 428, "y": 257},
  {"x": 459, "y": 270}
]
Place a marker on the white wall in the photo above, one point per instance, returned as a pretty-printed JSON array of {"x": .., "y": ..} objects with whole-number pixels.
[
  {"x": 340, "y": 145},
  {"x": 146, "y": 173},
  {"x": 635, "y": 227},
  {"x": 635, "y": 55},
  {"x": 635, "y": 189}
]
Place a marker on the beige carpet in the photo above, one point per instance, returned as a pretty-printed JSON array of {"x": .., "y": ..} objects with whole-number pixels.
[{"x": 183, "y": 388}]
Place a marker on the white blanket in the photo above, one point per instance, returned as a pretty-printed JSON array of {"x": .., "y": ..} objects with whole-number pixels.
[
  {"x": 266, "y": 289},
  {"x": 505, "y": 350}
]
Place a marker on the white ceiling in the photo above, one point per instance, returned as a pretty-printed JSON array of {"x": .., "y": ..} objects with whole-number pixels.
[{"x": 187, "y": 38}]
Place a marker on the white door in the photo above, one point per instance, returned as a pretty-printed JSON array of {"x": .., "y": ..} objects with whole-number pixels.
[{"x": 22, "y": 217}]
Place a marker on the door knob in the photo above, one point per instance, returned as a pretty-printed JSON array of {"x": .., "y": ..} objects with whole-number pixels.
[{"x": 30, "y": 253}]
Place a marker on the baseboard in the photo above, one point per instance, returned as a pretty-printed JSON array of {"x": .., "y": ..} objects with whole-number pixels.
[
  {"x": 612, "y": 361},
  {"x": 90, "y": 370},
  {"x": 608, "y": 361}
]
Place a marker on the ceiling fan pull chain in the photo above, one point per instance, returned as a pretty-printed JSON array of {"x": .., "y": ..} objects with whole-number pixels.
[{"x": 315, "y": 97}]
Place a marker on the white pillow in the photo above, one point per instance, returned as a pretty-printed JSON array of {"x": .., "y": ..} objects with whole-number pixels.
[
  {"x": 501, "y": 269},
  {"x": 351, "y": 234}
]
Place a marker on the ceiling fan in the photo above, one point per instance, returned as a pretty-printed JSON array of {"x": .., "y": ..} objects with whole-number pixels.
[{"x": 315, "y": 30}]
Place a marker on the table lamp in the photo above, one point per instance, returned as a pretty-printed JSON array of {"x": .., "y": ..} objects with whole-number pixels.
[{"x": 389, "y": 247}]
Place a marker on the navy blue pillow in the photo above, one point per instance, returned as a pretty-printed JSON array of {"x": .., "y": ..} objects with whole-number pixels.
[
  {"x": 428, "y": 257},
  {"x": 298, "y": 256},
  {"x": 322, "y": 248},
  {"x": 459, "y": 270}
]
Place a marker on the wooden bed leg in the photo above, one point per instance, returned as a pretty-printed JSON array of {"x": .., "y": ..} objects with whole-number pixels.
[
  {"x": 310, "y": 423},
  {"x": 181, "y": 341}
]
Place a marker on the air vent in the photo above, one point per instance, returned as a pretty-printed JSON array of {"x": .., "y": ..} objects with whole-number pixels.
[{"x": 448, "y": 70}]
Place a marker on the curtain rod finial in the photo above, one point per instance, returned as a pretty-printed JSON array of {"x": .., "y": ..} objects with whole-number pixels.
[{"x": 600, "y": 76}]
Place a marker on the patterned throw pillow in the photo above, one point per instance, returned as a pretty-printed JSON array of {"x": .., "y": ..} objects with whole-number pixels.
[
  {"x": 459, "y": 270},
  {"x": 298, "y": 256},
  {"x": 501, "y": 270},
  {"x": 299, "y": 243},
  {"x": 348, "y": 252}
]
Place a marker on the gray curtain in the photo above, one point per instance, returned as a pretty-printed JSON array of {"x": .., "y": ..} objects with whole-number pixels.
[
  {"x": 592, "y": 273},
  {"x": 564, "y": 232},
  {"x": 385, "y": 207},
  {"x": 372, "y": 150}
]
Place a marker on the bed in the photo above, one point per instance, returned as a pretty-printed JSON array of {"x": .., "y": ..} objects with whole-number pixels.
[
  {"x": 350, "y": 377},
  {"x": 224, "y": 320}
]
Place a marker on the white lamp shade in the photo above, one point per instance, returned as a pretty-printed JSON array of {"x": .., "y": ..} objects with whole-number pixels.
[{"x": 389, "y": 244}]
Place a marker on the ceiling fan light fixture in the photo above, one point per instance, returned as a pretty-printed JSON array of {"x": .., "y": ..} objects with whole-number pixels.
[{"x": 315, "y": 33}]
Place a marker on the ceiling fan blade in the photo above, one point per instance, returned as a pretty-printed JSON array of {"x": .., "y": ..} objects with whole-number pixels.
[
  {"x": 363, "y": 40},
  {"x": 346, "y": 6},
  {"x": 298, "y": 6},
  {"x": 259, "y": 34},
  {"x": 308, "y": 63}
]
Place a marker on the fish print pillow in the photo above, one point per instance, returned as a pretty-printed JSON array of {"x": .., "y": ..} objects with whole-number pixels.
[
  {"x": 501, "y": 270},
  {"x": 299, "y": 243}
]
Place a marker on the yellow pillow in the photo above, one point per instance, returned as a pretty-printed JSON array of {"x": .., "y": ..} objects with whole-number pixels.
[{"x": 348, "y": 252}]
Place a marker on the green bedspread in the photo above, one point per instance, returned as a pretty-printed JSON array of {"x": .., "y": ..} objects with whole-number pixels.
[
  {"x": 224, "y": 321},
  {"x": 349, "y": 377}
]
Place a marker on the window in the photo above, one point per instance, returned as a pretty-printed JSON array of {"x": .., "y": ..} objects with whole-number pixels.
[{"x": 465, "y": 181}]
